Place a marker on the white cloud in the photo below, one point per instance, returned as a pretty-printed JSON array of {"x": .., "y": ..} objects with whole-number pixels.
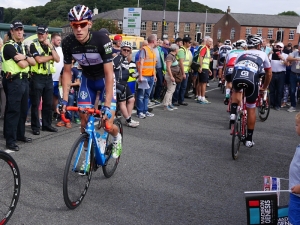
[{"x": 23, "y": 4}]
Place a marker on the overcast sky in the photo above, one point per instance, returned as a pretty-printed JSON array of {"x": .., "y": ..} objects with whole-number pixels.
[{"x": 237, "y": 6}]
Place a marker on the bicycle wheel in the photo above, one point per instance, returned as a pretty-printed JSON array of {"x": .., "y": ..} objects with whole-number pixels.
[
  {"x": 235, "y": 145},
  {"x": 76, "y": 182},
  {"x": 10, "y": 186},
  {"x": 111, "y": 163},
  {"x": 264, "y": 110}
]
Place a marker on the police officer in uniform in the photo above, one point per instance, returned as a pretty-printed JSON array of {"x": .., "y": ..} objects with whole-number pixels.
[
  {"x": 41, "y": 84},
  {"x": 15, "y": 68}
]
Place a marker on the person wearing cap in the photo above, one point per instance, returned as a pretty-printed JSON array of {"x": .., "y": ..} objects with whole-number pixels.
[
  {"x": 278, "y": 64},
  {"x": 15, "y": 68},
  {"x": 41, "y": 84},
  {"x": 117, "y": 45},
  {"x": 178, "y": 42}
]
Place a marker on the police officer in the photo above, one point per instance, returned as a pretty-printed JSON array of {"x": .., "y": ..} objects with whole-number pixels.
[
  {"x": 15, "y": 68},
  {"x": 41, "y": 84}
]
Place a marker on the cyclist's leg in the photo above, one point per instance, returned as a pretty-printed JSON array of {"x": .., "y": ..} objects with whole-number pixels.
[{"x": 228, "y": 88}]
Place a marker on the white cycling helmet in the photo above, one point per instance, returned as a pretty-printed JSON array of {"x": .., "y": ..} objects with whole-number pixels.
[
  {"x": 79, "y": 13},
  {"x": 227, "y": 42},
  {"x": 254, "y": 40},
  {"x": 234, "y": 44},
  {"x": 241, "y": 44},
  {"x": 126, "y": 44}
]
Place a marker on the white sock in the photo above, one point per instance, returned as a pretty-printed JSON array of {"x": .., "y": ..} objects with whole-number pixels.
[
  {"x": 118, "y": 137},
  {"x": 227, "y": 91},
  {"x": 199, "y": 98}
]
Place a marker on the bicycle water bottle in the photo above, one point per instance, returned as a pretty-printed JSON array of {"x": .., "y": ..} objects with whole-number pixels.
[{"x": 103, "y": 142}]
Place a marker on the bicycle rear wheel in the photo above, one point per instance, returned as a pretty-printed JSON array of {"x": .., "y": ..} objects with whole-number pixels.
[
  {"x": 235, "y": 144},
  {"x": 264, "y": 110},
  {"x": 77, "y": 177},
  {"x": 111, "y": 163},
  {"x": 10, "y": 185}
]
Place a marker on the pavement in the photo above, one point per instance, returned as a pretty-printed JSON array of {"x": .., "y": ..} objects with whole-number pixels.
[{"x": 176, "y": 168}]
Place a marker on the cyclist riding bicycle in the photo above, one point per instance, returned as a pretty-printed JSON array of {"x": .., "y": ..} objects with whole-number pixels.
[
  {"x": 246, "y": 71},
  {"x": 93, "y": 51},
  {"x": 240, "y": 46},
  {"x": 223, "y": 50}
]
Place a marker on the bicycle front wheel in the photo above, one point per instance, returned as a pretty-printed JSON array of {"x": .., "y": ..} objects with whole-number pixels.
[
  {"x": 235, "y": 145},
  {"x": 10, "y": 186},
  {"x": 78, "y": 174},
  {"x": 111, "y": 163},
  {"x": 264, "y": 110}
]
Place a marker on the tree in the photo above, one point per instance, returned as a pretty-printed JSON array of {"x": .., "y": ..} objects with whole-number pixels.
[
  {"x": 289, "y": 13},
  {"x": 57, "y": 23},
  {"x": 108, "y": 24}
]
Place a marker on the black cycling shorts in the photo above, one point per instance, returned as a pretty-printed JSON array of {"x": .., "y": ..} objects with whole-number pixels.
[
  {"x": 250, "y": 80},
  {"x": 228, "y": 74}
]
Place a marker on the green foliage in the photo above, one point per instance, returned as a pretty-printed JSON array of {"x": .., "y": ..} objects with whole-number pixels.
[
  {"x": 108, "y": 24},
  {"x": 57, "y": 10},
  {"x": 289, "y": 13},
  {"x": 57, "y": 23}
]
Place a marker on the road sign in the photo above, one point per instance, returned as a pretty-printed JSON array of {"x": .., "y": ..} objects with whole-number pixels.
[{"x": 132, "y": 19}]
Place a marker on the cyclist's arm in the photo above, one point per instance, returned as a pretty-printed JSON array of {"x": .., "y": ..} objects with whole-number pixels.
[
  {"x": 268, "y": 78},
  {"x": 109, "y": 83},
  {"x": 66, "y": 80}
]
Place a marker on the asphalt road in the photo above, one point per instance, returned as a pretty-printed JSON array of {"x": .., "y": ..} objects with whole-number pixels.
[{"x": 176, "y": 168}]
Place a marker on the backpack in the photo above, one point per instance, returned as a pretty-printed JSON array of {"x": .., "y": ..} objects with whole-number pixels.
[{"x": 195, "y": 63}]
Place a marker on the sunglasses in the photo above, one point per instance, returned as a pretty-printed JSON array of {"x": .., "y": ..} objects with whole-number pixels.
[
  {"x": 81, "y": 25},
  {"x": 277, "y": 46},
  {"x": 126, "y": 50}
]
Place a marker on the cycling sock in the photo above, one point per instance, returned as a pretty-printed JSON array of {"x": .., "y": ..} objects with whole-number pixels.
[
  {"x": 249, "y": 134},
  {"x": 233, "y": 108},
  {"x": 128, "y": 119},
  {"x": 227, "y": 91},
  {"x": 118, "y": 137}
]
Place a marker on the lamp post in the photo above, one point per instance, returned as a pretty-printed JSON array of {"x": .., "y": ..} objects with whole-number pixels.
[
  {"x": 163, "y": 21},
  {"x": 204, "y": 32},
  {"x": 177, "y": 32}
]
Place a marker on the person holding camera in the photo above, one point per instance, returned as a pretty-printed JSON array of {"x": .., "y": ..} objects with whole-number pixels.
[
  {"x": 173, "y": 69},
  {"x": 41, "y": 84},
  {"x": 15, "y": 67}
]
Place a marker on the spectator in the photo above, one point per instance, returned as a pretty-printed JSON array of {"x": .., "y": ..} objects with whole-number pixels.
[
  {"x": 288, "y": 49},
  {"x": 41, "y": 81},
  {"x": 2, "y": 94},
  {"x": 146, "y": 68},
  {"x": 165, "y": 47},
  {"x": 15, "y": 67},
  {"x": 179, "y": 42},
  {"x": 184, "y": 55},
  {"x": 172, "y": 67},
  {"x": 278, "y": 64},
  {"x": 117, "y": 45},
  {"x": 294, "y": 58},
  {"x": 265, "y": 47},
  {"x": 215, "y": 61}
]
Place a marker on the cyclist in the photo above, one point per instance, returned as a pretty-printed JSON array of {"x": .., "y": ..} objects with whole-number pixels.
[
  {"x": 93, "y": 51},
  {"x": 240, "y": 46},
  {"x": 223, "y": 50},
  {"x": 122, "y": 71},
  {"x": 246, "y": 71}
]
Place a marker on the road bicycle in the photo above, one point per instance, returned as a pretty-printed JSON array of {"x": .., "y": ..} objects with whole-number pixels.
[
  {"x": 263, "y": 103},
  {"x": 10, "y": 186},
  {"x": 239, "y": 132},
  {"x": 78, "y": 175}
]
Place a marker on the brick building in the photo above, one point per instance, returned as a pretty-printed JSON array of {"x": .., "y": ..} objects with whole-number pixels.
[
  {"x": 190, "y": 23},
  {"x": 236, "y": 26}
]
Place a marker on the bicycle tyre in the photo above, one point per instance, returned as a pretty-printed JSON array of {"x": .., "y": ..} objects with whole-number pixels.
[
  {"x": 10, "y": 186},
  {"x": 264, "y": 116},
  {"x": 111, "y": 163},
  {"x": 81, "y": 182},
  {"x": 235, "y": 144}
]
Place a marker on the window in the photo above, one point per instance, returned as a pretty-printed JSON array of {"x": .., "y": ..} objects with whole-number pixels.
[
  {"x": 208, "y": 28},
  {"x": 187, "y": 27},
  {"x": 248, "y": 31},
  {"x": 219, "y": 34},
  {"x": 166, "y": 28},
  {"x": 259, "y": 31},
  {"x": 143, "y": 26},
  {"x": 120, "y": 25},
  {"x": 270, "y": 33},
  {"x": 291, "y": 34},
  {"x": 197, "y": 28},
  {"x": 232, "y": 34},
  {"x": 143, "y": 35},
  {"x": 154, "y": 26}
]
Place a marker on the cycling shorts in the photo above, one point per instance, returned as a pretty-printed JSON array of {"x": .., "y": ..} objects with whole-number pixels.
[
  {"x": 88, "y": 92},
  {"x": 55, "y": 88},
  {"x": 228, "y": 74},
  {"x": 249, "y": 78}
]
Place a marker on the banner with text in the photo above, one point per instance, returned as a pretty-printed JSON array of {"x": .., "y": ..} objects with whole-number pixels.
[{"x": 132, "y": 18}]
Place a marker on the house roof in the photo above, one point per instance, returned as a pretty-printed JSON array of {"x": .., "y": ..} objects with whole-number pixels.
[
  {"x": 261, "y": 20},
  {"x": 170, "y": 16}
]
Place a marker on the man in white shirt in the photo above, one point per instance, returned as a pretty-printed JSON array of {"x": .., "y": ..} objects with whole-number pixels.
[
  {"x": 278, "y": 64},
  {"x": 56, "y": 40}
]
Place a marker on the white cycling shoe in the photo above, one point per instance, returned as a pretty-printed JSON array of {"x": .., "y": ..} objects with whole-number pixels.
[{"x": 249, "y": 144}]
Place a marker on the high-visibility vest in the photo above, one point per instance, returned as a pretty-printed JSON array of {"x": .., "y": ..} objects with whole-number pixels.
[
  {"x": 186, "y": 60},
  {"x": 41, "y": 68},
  {"x": 149, "y": 62},
  {"x": 206, "y": 60},
  {"x": 10, "y": 65}
]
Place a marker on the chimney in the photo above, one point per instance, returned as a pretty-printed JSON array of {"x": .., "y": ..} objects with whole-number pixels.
[
  {"x": 228, "y": 10},
  {"x": 95, "y": 10}
]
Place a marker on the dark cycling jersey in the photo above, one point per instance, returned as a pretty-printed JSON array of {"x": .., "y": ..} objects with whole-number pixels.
[
  {"x": 91, "y": 55},
  {"x": 223, "y": 50}
]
